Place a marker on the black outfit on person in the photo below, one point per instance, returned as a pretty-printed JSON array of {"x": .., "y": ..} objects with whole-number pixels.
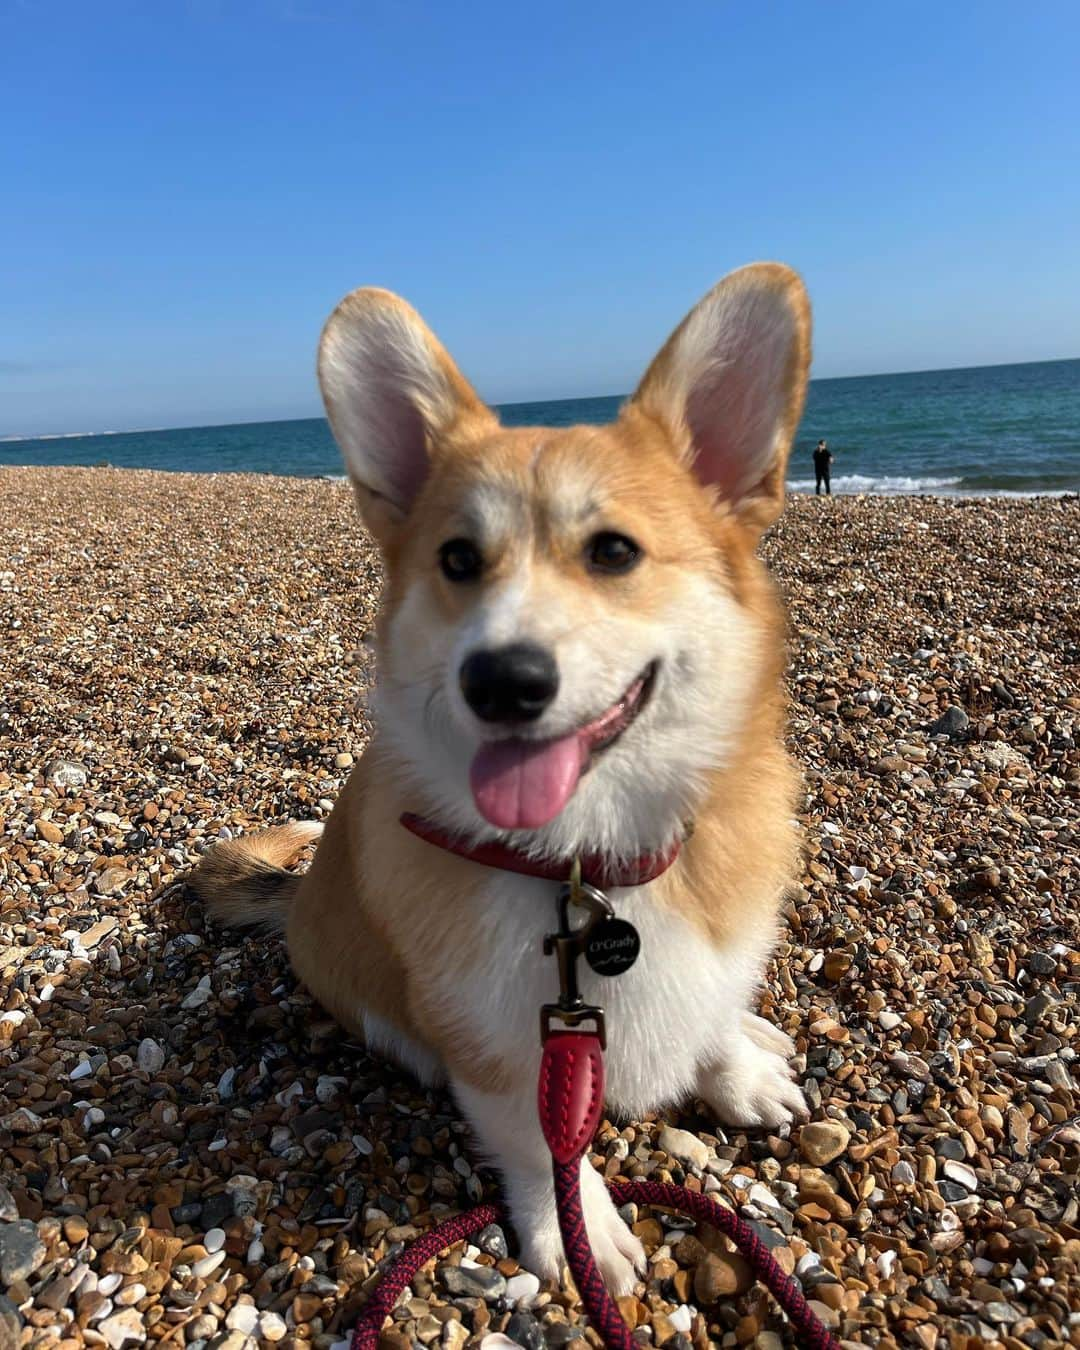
[{"x": 822, "y": 461}]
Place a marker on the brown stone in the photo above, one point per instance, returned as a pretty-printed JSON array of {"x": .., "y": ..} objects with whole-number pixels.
[
  {"x": 628, "y": 1310},
  {"x": 837, "y": 965},
  {"x": 306, "y": 1306},
  {"x": 823, "y": 1140},
  {"x": 663, "y": 1331},
  {"x": 721, "y": 1275},
  {"x": 649, "y": 1231}
]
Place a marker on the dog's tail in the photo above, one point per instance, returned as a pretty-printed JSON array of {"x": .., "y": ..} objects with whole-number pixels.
[{"x": 243, "y": 882}]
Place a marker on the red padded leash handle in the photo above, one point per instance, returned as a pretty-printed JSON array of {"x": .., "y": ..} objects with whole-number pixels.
[{"x": 570, "y": 1092}]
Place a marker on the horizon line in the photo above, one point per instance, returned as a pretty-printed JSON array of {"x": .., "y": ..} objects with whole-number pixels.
[{"x": 512, "y": 403}]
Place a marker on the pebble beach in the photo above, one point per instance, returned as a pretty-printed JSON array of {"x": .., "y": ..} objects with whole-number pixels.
[{"x": 193, "y": 1155}]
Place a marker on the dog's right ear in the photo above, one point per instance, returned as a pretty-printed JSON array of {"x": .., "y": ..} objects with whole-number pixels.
[
  {"x": 729, "y": 384},
  {"x": 392, "y": 394}
]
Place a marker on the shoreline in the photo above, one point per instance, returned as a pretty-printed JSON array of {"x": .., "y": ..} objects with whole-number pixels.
[{"x": 799, "y": 489}]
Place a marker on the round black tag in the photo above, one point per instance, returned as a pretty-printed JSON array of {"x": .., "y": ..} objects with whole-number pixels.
[{"x": 612, "y": 946}]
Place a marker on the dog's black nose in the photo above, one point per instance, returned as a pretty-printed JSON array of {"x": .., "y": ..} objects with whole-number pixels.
[{"x": 510, "y": 684}]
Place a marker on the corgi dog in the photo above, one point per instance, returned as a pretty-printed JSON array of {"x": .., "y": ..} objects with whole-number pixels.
[{"x": 578, "y": 653}]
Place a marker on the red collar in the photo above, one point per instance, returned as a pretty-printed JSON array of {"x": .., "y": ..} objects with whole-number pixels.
[{"x": 595, "y": 869}]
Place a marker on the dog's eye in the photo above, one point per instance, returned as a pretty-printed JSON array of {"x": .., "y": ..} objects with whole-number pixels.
[
  {"x": 460, "y": 560},
  {"x": 611, "y": 552}
]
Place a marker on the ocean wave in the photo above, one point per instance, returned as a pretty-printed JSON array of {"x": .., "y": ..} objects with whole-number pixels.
[
  {"x": 887, "y": 485},
  {"x": 80, "y": 435},
  {"x": 56, "y": 436}
]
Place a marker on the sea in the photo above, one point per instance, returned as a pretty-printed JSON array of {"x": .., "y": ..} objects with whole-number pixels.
[{"x": 985, "y": 431}]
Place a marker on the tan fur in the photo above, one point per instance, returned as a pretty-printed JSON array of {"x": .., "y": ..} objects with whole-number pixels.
[{"x": 243, "y": 883}]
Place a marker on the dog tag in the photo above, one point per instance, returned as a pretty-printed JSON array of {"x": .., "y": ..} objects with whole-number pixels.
[{"x": 612, "y": 946}]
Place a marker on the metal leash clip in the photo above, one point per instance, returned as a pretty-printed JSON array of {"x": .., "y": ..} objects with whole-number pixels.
[{"x": 568, "y": 944}]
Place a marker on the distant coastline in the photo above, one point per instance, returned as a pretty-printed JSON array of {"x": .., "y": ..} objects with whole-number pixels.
[{"x": 1006, "y": 430}]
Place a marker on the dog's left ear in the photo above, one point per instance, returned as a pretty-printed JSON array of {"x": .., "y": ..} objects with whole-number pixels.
[
  {"x": 728, "y": 386},
  {"x": 395, "y": 400}
]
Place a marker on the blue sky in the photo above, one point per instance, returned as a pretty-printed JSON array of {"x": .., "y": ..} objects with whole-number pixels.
[{"x": 188, "y": 188}]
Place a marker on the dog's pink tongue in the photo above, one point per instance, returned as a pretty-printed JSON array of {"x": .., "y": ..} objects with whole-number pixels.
[{"x": 521, "y": 785}]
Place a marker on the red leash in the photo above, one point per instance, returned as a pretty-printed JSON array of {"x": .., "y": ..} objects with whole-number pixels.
[
  {"x": 594, "y": 1295},
  {"x": 571, "y": 1097},
  {"x": 570, "y": 1101}
]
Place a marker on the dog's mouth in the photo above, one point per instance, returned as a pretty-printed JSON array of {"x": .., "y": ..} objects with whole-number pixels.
[{"x": 519, "y": 784}]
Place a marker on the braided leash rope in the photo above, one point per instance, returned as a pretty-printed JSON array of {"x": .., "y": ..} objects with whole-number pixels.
[
  {"x": 381, "y": 1303},
  {"x": 598, "y": 1303}
]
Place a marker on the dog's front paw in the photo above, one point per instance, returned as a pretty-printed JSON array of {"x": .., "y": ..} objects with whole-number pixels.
[
  {"x": 754, "y": 1087},
  {"x": 768, "y": 1037},
  {"x": 619, "y": 1255},
  {"x": 541, "y": 1248}
]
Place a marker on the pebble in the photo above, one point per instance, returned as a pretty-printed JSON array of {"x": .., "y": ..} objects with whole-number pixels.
[
  {"x": 953, "y": 1192},
  {"x": 492, "y": 1240},
  {"x": 199, "y": 996},
  {"x": 479, "y": 1282},
  {"x": 150, "y": 1056},
  {"x": 954, "y": 721},
  {"x": 112, "y": 880},
  {"x": 721, "y": 1275},
  {"x": 522, "y": 1289},
  {"x": 681, "y": 1319},
  {"x": 454, "y": 1335},
  {"x": 823, "y": 1140},
  {"x": 22, "y": 1121},
  {"x": 206, "y": 1265},
  {"x": 122, "y": 1328},
  {"x": 10, "y": 1324},
  {"x": 65, "y": 773},
  {"x": 243, "y": 1317},
  {"x": 962, "y": 1174},
  {"x": 524, "y": 1330},
  {"x": 21, "y": 1250},
  {"x": 272, "y": 1327},
  {"x": 683, "y": 1145},
  {"x": 234, "y": 1340}
]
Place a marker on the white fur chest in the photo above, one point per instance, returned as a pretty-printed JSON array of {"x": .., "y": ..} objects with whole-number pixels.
[{"x": 667, "y": 1018}]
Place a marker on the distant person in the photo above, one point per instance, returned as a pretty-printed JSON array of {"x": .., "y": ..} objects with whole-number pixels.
[{"x": 822, "y": 461}]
